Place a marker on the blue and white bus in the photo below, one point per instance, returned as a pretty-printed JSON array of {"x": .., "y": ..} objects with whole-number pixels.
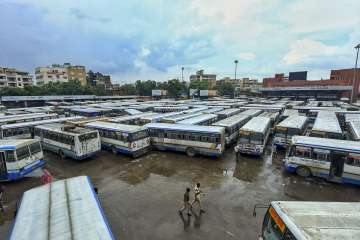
[
  {"x": 285, "y": 130},
  {"x": 232, "y": 125},
  {"x": 64, "y": 209},
  {"x": 203, "y": 119},
  {"x": 332, "y": 159},
  {"x": 121, "y": 138},
  {"x": 326, "y": 126},
  {"x": 19, "y": 157},
  {"x": 192, "y": 139},
  {"x": 68, "y": 140},
  {"x": 227, "y": 113}
]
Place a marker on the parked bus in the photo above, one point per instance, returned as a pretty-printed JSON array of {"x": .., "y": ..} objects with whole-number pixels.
[
  {"x": 332, "y": 159},
  {"x": 68, "y": 140},
  {"x": 295, "y": 220},
  {"x": 32, "y": 117},
  {"x": 26, "y": 129},
  {"x": 274, "y": 117},
  {"x": 178, "y": 118},
  {"x": 203, "y": 119},
  {"x": 66, "y": 209},
  {"x": 252, "y": 112},
  {"x": 232, "y": 125},
  {"x": 353, "y": 128},
  {"x": 89, "y": 111},
  {"x": 192, "y": 139},
  {"x": 167, "y": 109},
  {"x": 227, "y": 113},
  {"x": 158, "y": 117},
  {"x": 131, "y": 120},
  {"x": 326, "y": 126},
  {"x": 120, "y": 138},
  {"x": 253, "y": 136},
  {"x": 19, "y": 157},
  {"x": 285, "y": 130}
]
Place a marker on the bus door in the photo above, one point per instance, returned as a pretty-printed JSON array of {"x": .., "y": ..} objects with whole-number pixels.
[
  {"x": 3, "y": 170},
  {"x": 337, "y": 165}
]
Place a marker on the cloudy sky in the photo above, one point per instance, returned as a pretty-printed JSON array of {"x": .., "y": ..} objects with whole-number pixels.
[{"x": 153, "y": 39}]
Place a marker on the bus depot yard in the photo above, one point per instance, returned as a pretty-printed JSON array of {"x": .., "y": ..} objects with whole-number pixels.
[{"x": 142, "y": 155}]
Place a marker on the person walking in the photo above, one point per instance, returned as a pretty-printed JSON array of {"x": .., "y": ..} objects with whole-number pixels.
[
  {"x": 46, "y": 178},
  {"x": 198, "y": 193},
  {"x": 1, "y": 198},
  {"x": 186, "y": 202}
]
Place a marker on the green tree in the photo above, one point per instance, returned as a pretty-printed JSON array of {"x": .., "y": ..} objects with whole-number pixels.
[
  {"x": 144, "y": 88},
  {"x": 197, "y": 84},
  {"x": 174, "y": 88},
  {"x": 226, "y": 89},
  {"x": 128, "y": 89}
]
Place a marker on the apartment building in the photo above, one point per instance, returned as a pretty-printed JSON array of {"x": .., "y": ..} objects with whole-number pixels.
[
  {"x": 57, "y": 73},
  {"x": 201, "y": 76},
  {"x": 11, "y": 77}
]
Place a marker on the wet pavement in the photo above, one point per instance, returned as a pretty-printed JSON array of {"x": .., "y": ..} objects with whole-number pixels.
[{"x": 141, "y": 196}]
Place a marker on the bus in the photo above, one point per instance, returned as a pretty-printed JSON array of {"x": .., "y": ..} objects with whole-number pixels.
[
  {"x": 203, "y": 119},
  {"x": 227, "y": 113},
  {"x": 178, "y": 118},
  {"x": 19, "y": 158},
  {"x": 213, "y": 110},
  {"x": 121, "y": 138},
  {"x": 297, "y": 220},
  {"x": 253, "y": 136},
  {"x": 89, "y": 111},
  {"x": 332, "y": 159},
  {"x": 26, "y": 129},
  {"x": 66, "y": 209},
  {"x": 326, "y": 126},
  {"x": 293, "y": 125},
  {"x": 232, "y": 125},
  {"x": 68, "y": 140},
  {"x": 353, "y": 128},
  {"x": 274, "y": 117},
  {"x": 167, "y": 109},
  {"x": 158, "y": 117},
  {"x": 252, "y": 112},
  {"x": 191, "y": 139},
  {"x": 31, "y": 117},
  {"x": 131, "y": 120}
]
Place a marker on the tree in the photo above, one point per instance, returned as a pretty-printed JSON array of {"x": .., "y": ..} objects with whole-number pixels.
[
  {"x": 226, "y": 89},
  {"x": 144, "y": 88},
  {"x": 197, "y": 84},
  {"x": 174, "y": 88},
  {"x": 128, "y": 89}
]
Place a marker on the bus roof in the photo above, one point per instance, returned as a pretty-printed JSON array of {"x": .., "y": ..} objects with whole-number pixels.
[
  {"x": 14, "y": 143},
  {"x": 341, "y": 145},
  {"x": 181, "y": 117},
  {"x": 36, "y": 123},
  {"x": 132, "y": 117},
  {"x": 65, "y": 128},
  {"x": 114, "y": 126},
  {"x": 320, "y": 220},
  {"x": 293, "y": 122},
  {"x": 229, "y": 111},
  {"x": 132, "y": 111},
  {"x": 67, "y": 208},
  {"x": 25, "y": 116},
  {"x": 190, "y": 128},
  {"x": 327, "y": 123},
  {"x": 256, "y": 124},
  {"x": 198, "y": 119},
  {"x": 230, "y": 121},
  {"x": 252, "y": 112}
]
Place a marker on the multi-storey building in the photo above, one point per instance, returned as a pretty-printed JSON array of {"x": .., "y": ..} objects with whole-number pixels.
[
  {"x": 98, "y": 79},
  {"x": 57, "y": 73},
  {"x": 11, "y": 77},
  {"x": 244, "y": 84},
  {"x": 210, "y": 79}
]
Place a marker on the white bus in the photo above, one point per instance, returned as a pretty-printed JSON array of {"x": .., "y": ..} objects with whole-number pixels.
[
  {"x": 120, "y": 138},
  {"x": 19, "y": 157},
  {"x": 332, "y": 159},
  {"x": 64, "y": 209},
  {"x": 131, "y": 120},
  {"x": 203, "y": 119},
  {"x": 285, "y": 130},
  {"x": 227, "y": 113},
  {"x": 295, "y": 220},
  {"x": 32, "y": 117},
  {"x": 192, "y": 139},
  {"x": 178, "y": 118},
  {"x": 167, "y": 109},
  {"x": 274, "y": 116},
  {"x": 68, "y": 140},
  {"x": 26, "y": 129},
  {"x": 253, "y": 136},
  {"x": 326, "y": 126},
  {"x": 156, "y": 118},
  {"x": 252, "y": 112},
  {"x": 232, "y": 125}
]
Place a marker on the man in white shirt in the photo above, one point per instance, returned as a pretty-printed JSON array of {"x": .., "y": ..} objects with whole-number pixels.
[{"x": 198, "y": 193}]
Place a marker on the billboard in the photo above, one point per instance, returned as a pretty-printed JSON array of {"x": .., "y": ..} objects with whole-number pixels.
[{"x": 297, "y": 75}]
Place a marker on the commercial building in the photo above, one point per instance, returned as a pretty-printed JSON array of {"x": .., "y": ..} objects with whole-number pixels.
[
  {"x": 339, "y": 85},
  {"x": 98, "y": 79},
  {"x": 51, "y": 74},
  {"x": 11, "y": 77},
  {"x": 210, "y": 79},
  {"x": 76, "y": 72}
]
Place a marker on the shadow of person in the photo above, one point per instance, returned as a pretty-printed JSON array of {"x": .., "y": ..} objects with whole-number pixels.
[
  {"x": 197, "y": 220},
  {"x": 186, "y": 221}
]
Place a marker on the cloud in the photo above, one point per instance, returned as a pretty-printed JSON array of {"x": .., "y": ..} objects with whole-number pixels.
[{"x": 246, "y": 56}]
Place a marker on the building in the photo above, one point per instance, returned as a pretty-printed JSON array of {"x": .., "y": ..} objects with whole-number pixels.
[
  {"x": 339, "y": 85},
  {"x": 98, "y": 79},
  {"x": 11, "y": 77},
  {"x": 76, "y": 73},
  {"x": 227, "y": 80},
  {"x": 210, "y": 79},
  {"x": 244, "y": 84}
]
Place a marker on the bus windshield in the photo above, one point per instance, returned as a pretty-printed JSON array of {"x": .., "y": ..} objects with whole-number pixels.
[
  {"x": 87, "y": 136},
  {"x": 273, "y": 227}
]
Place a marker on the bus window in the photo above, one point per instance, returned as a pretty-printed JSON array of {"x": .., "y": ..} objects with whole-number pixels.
[
  {"x": 321, "y": 155},
  {"x": 288, "y": 235},
  {"x": 35, "y": 148},
  {"x": 22, "y": 152},
  {"x": 303, "y": 152},
  {"x": 10, "y": 156},
  {"x": 353, "y": 159}
]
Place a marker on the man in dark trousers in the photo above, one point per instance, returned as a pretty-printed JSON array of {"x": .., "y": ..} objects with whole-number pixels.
[
  {"x": 1, "y": 198},
  {"x": 186, "y": 202}
]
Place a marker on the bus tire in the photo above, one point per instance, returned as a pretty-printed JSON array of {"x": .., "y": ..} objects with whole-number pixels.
[
  {"x": 113, "y": 150},
  {"x": 61, "y": 154},
  {"x": 190, "y": 152},
  {"x": 303, "y": 171}
]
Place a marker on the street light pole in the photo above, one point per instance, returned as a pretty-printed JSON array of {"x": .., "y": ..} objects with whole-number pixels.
[
  {"x": 182, "y": 73},
  {"x": 236, "y": 63},
  {"x": 355, "y": 70}
]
